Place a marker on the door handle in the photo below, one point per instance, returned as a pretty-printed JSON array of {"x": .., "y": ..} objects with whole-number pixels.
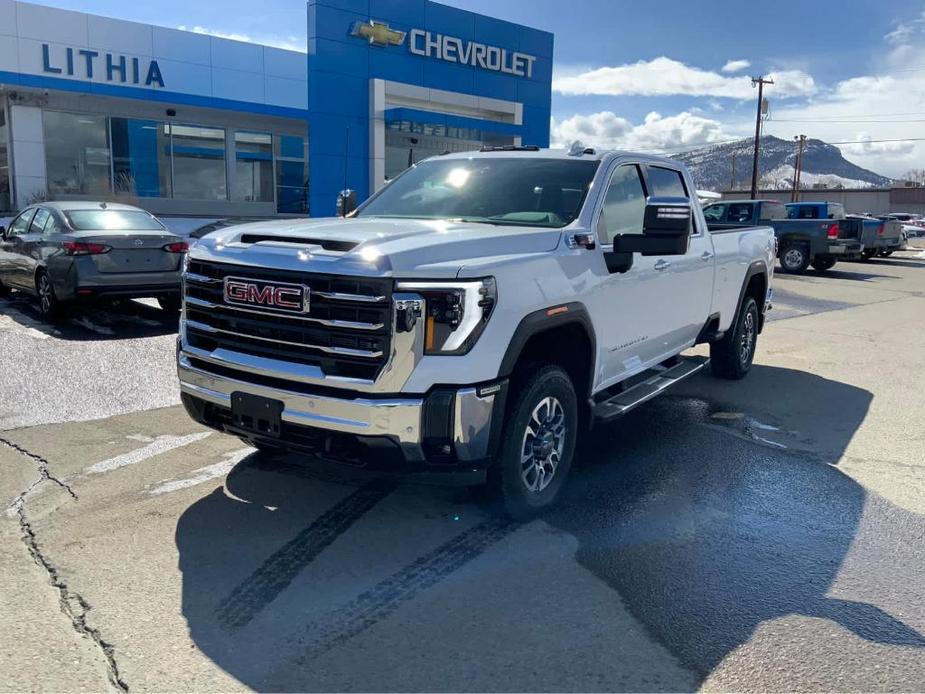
[
  {"x": 662, "y": 265},
  {"x": 706, "y": 255}
]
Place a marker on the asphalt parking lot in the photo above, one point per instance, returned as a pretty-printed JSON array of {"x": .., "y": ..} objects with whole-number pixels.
[{"x": 754, "y": 536}]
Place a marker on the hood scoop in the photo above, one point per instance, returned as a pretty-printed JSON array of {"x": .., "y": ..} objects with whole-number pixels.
[{"x": 326, "y": 244}]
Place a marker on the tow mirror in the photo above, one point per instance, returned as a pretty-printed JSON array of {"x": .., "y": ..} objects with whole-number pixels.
[
  {"x": 346, "y": 202},
  {"x": 666, "y": 229}
]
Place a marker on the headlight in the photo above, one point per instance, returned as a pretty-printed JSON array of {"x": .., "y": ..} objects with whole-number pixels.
[{"x": 455, "y": 313}]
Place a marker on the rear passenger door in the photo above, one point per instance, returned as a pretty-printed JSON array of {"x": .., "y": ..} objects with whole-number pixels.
[{"x": 687, "y": 279}]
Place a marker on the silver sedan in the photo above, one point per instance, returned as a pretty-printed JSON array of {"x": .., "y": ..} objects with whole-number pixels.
[{"x": 69, "y": 251}]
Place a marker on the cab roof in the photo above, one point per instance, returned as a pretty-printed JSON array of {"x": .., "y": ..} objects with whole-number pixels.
[{"x": 70, "y": 205}]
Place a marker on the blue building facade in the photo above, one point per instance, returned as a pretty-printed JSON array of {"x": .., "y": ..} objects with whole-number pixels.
[
  {"x": 187, "y": 124},
  {"x": 393, "y": 81}
]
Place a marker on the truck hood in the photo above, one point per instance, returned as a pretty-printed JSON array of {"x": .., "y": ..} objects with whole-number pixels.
[{"x": 372, "y": 246}]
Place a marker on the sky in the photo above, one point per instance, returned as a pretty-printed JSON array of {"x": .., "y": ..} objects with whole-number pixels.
[{"x": 673, "y": 75}]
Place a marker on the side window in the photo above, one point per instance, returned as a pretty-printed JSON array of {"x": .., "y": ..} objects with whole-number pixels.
[
  {"x": 624, "y": 205},
  {"x": 773, "y": 210},
  {"x": 39, "y": 221},
  {"x": 665, "y": 182},
  {"x": 53, "y": 226},
  {"x": 836, "y": 211},
  {"x": 740, "y": 213},
  {"x": 714, "y": 213},
  {"x": 21, "y": 223}
]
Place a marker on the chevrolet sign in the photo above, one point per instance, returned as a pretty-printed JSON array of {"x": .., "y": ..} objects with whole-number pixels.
[
  {"x": 378, "y": 33},
  {"x": 448, "y": 48}
]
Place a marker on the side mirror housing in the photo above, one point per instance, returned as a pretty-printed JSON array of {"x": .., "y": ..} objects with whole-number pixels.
[
  {"x": 666, "y": 229},
  {"x": 346, "y": 202}
]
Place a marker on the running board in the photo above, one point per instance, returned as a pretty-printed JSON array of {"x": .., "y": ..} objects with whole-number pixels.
[{"x": 662, "y": 379}]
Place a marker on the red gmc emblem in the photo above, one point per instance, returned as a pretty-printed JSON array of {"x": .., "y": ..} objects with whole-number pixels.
[{"x": 273, "y": 295}]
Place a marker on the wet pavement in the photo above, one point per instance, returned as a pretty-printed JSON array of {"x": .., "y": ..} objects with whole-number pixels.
[{"x": 766, "y": 535}]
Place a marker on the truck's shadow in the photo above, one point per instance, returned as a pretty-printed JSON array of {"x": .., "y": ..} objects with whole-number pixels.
[{"x": 703, "y": 535}]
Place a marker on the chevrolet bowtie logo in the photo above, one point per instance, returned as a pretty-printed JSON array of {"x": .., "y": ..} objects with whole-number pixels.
[{"x": 378, "y": 33}]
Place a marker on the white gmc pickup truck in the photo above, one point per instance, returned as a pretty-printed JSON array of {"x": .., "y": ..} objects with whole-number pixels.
[{"x": 471, "y": 318}]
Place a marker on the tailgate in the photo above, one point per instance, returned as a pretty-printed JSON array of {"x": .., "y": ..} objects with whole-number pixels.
[
  {"x": 134, "y": 252},
  {"x": 848, "y": 228}
]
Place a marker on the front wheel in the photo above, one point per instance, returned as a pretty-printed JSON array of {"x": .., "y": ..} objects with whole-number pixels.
[
  {"x": 823, "y": 264},
  {"x": 886, "y": 254},
  {"x": 538, "y": 443},
  {"x": 794, "y": 258},
  {"x": 868, "y": 253},
  {"x": 732, "y": 356}
]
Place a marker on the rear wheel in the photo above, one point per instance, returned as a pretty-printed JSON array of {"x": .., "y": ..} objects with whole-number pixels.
[
  {"x": 732, "y": 356},
  {"x": 538, "y": 443},
  {"x": 171, "y": 304},
  {"x": 823, "y": 264},
  {"x": 794, "y": 258},
  {"x": 868, "y": 253},
  {"x": 885, "y": 254},
  {"x": 49, "y": 306}
]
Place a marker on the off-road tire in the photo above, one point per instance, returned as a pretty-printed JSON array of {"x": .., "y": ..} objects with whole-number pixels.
[{"x": 731, "y": 357}]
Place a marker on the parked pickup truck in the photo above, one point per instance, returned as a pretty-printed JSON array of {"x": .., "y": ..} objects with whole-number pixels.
[
  {"x": 801, "y": 242},
  {"x": 472, "y": 317},
  {"x": 880, "y": 236}
]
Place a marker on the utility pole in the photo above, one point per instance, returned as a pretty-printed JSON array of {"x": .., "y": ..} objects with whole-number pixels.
[
  {"x": 760, "y": 81},
  {"x": 797, "y": 168},
  {"x": 732, "y": 180}
]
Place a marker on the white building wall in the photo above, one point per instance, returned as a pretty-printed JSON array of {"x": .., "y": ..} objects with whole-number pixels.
[
  {"x": 27, "y": 144},
  {"x": 191, "y": 63}
]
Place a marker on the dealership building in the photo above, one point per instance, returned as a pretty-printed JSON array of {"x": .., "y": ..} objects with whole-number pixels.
[{"x": 187, "y": 124}]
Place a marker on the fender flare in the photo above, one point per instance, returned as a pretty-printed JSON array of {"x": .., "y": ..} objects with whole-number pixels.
[
  {"x": 758, "y": 267},
  {"x": 543, "y": 320}
]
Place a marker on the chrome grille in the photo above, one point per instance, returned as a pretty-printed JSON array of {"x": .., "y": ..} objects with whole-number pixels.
[{"x": 346, "y": 333}]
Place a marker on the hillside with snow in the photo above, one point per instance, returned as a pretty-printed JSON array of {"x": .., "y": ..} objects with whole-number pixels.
[{"x": 712, "y": 167}]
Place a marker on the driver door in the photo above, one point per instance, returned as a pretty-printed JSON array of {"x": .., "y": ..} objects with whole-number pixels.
[
  {"x": 12, "y": 256},
  {"x": 629, "y": 307}
]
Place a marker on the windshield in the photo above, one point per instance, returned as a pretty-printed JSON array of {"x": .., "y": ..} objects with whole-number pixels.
[
  {"x": 117, "y": 220},
  {"x": 492, "y": 190}
]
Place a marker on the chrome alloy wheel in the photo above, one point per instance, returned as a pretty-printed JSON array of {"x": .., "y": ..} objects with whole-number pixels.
[
  {"x": 542, "y": 445},
  {"x": 747, "y": 341}
]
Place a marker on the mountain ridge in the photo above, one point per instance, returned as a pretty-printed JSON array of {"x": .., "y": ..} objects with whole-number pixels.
[{"x": 711, "y": 166}]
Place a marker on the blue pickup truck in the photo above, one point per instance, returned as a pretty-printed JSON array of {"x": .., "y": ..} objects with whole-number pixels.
[
  {"x": 878, "y": 236},
  {"x": 802, "y": 240}
]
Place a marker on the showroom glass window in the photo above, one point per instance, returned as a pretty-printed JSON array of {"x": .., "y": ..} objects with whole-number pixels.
[
  {"x": 77, "y": 158},
  {"x": 253, "y": 172},
  {"x": 198, "y": 162},
  {"x": 5, "y": 202},
  {"x": 140, "y": 157},
  {"x": 291, "y": 174}
]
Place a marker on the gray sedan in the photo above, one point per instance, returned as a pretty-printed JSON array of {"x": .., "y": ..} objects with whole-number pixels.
[{"x": 68, "y": 251}]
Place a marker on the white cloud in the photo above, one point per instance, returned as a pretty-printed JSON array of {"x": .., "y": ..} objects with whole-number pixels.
[
  {"x": 289, "y": 43},
  {"x": 667, "y": 77},
  {"x": 864, "y": 111},
  {"x": 607, "y": 130},
  {"x": 736, "y": 65}
]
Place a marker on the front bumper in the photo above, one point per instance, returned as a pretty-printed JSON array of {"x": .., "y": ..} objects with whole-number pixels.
[{"x": 449, "y": 430}]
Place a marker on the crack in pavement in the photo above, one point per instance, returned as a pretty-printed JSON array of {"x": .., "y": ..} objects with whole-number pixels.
[
  {"x": 72, "y": 604},
  {"x": 44, "y": 473}
]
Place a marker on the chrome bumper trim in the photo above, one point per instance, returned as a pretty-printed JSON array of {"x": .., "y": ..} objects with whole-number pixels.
[
  {"x": 343, "y": 351},
  {"x": 396, "y": 418},
  {"x": 345, "y": 324}
]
